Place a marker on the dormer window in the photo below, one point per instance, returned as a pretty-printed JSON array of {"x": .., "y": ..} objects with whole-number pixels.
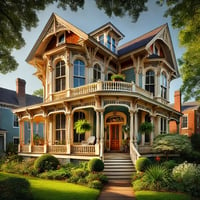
[
  {"x": 108, "y": 41},
  {"x": 101, "y": 39}
]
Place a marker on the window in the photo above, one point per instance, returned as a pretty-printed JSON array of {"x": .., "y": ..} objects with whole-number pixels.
[
  {"x": 79, "y": 73},
  {"x": 101, "y": 39},
  {"x": 78, "y": 137},
  {"x": 184, "y": 121},
  {"x": 108, "y": 41},
  {"x": 15, "y": 141},
  {"x": 61, "y": 39},
  {"x": 113, "y": 45},
  {"x": 97, "y": 73},
  {"x": 60, "y": 129},
  {"x": 163, "y": 85},
  {"x": 198, "y": 116},
  {"x": 149, "y": 84},
  {"x": 60, "y": 76},
  {"x": 15, "y": 121},
  {"x": 163, "y": 125}
]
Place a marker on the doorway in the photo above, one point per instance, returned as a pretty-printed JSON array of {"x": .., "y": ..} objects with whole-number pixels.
[{"x": 114, "y": 142}]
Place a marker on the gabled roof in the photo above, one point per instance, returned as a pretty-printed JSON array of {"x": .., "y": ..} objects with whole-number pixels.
[
  {"x": 54, "y": 24},
  {"x": 139, "y": 42},
  {"x": 9, "y": 97}
]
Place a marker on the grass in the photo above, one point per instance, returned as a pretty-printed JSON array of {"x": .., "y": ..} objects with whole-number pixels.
[
  {"x": 51, "y": 190},
  {"x": 153, "y": 195}
]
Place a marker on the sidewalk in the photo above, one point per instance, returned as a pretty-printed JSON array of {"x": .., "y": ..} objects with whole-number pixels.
[{"x": 118, "y": 189}]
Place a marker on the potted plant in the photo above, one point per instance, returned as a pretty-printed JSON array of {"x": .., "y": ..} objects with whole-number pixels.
[
  {"x": 146, "y": 127},
  {"x": 38, "y": 140},
  {"x": 117, "y": 77},
  {"x": 81, "y": 126}
]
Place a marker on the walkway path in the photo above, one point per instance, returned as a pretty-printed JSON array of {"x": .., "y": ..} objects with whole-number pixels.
[{"x": 117, "y": 190}]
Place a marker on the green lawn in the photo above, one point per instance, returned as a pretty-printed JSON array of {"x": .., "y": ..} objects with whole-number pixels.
[
  {"x": 153, "y": 195},
  {"x": 60, "y": 190}
]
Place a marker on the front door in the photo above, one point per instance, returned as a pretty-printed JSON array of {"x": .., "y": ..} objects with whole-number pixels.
[{"x": 114, "y": 130}]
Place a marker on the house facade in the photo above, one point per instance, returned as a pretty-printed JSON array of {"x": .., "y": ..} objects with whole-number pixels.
[
  {"x": 190, "y": 120},
  {"x": 76, "y": 69},
  {"x": 9, "y": 100}
]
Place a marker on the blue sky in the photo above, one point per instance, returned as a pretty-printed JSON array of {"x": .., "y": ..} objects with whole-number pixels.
[{"x": 88, "y": 19}]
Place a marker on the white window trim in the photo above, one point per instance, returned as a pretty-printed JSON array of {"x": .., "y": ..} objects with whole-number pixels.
[{"x": 185, "y": 115}]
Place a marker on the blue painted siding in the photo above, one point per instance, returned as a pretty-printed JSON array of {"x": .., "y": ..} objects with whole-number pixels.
[
  {"x": 129, "y": 75},
  {"x": 6, "y": 122}
]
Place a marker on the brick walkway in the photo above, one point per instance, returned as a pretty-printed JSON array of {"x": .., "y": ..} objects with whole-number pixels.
[{"x": 118, "y": 189}]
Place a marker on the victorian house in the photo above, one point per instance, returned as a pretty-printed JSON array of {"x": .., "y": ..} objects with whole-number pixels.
[{"x": 76, "y": 70}]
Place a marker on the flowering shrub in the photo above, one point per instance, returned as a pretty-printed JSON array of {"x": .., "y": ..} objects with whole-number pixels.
[{"x": 188, "y": 176}]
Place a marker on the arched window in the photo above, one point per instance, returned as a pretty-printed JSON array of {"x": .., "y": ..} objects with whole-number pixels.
[
  {"x": 163, "y": 85},
  {"x": 60, "y": 129},
  {"x": 78, "y": 137},
  {"x": 97, "y": 73},
  {"x": 150, "y": 81},
  {"x": 79, "y": 73},
  {"x": 60, "y": 76}
]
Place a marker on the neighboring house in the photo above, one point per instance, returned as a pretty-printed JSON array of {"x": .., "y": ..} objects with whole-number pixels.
[
  {"x": 9, "y": 125},
  {"x": 75, "y": 69},
  {"x": 190, "y": 120}
]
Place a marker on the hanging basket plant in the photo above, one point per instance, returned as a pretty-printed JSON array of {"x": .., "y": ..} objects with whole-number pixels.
[
  {"x": 81, "y": 126},
  {"x": 117, "y": 77},
  {"x": 146, "y": 127}
]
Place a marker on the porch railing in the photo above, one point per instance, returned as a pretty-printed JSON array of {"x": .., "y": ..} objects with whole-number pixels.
[
  {"x": 83, "y": 149},
  {"x": 107, "y": 86},
  {"x": 134, "y": 153},
  {"x": 38, "y": 149},
  {"x": 57, "y": 149}
]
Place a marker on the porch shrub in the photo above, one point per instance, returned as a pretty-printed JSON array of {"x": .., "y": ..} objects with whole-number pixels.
[
  {"x": 15, "y": 188},
  {"x": 187, "y": 176},
  {"x": 46, "y": 162},
  {"x": 97, "y": 176},
  {"x": 142, "y": 163},
  {"x": 95, "y": 165}
]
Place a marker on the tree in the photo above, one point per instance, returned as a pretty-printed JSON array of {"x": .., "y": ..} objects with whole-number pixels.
[
  {"x": 17, "y": 15},
  {"x": 172, "y": 143},
  {"x": 38, "y": 93}
]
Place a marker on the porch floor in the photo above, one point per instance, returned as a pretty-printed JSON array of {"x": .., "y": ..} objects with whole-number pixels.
[{"x": 116, "y": 155}]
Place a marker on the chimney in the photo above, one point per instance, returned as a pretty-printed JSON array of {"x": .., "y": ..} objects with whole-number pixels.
[
  {"x": 177, "y": 100},
  {"x": 21, "y": 91}
]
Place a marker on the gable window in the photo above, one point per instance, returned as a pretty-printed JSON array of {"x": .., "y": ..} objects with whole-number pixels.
[
  {"x": 15, "y": 121},
  {"x": 79, "y": 73},
  {"x": 60, "y": 76},
  {"x": 60, "y": 129},
  {"x": 61, "y": 39},
  {"x": 163, "y": 85},
  {"x": 163, "y": 125},
  {"x": 184, "y": 121},
  {"x": 97, "y": 73},
  {"x": 150, "y": 82},
  {"x": 78, "y": 137}
]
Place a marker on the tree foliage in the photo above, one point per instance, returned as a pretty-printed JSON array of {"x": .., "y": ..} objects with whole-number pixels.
[{"x": 38, "y": 93}]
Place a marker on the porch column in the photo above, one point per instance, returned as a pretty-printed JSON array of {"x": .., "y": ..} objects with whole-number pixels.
[
  {"x": 167, "y": 125},
  {"x": 136, "y": 128},
  {"x": 31, "y": 136},
  {"x": 97, "y": 127},
  {"x": 68, "y": 142},
  {"x": 131, "y": 126},
  {"x": 46, "y": 122},
  {"x": 21, "y": 127},
  {"x": 102, "y": 135},
  {"x": 152, "y": 132}
]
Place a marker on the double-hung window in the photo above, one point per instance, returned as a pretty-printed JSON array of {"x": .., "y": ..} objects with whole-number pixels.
[
  {"x": 60, "y": 76},
  {"x": 79, "y": 73},
  {"x": 150, "y": 81},
  {"x": 163, "y": 85},
  {"x": 97, "y": 73}
]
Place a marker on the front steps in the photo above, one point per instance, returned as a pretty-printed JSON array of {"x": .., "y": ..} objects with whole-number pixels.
[{"x": 118, "y": 166}]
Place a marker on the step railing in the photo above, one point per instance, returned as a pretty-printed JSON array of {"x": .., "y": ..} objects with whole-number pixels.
[{"x": 134, "y": 154}]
